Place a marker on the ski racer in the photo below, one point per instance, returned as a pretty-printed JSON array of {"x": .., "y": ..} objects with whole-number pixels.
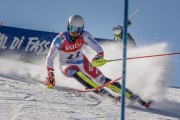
[
  {"x": 118, "y": 34},
  {"x": 73, "y": 63}
]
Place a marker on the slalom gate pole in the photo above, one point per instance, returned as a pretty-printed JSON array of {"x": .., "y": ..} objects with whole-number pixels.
[{"x": 124, "y": 60}]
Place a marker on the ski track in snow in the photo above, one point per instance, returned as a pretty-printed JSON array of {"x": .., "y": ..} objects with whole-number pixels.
[{"x": 24, "y": 97}]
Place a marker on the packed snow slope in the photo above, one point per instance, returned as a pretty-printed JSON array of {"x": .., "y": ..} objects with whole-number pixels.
[{"x": 23, "y": 95}]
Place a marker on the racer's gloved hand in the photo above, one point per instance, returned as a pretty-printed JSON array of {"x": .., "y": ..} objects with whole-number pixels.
[
  {"x": 50, "y": 79},
  {"x": 98, "y": 60},
  {"x": 128, "y": 22},
  {"x": 98, "y": 56}
]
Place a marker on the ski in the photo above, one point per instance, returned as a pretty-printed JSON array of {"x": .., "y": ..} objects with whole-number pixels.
[{"x": 102, "y": 92}]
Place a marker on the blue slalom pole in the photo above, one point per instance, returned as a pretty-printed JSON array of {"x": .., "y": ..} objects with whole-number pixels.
[{"x": 123, "y": 93}]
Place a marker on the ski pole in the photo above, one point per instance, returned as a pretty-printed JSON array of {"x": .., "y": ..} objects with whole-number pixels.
[
  {"x": 131, "y": 16},
  {"x": 102, "y": 61},
  {"x": 99, "y": 87}
]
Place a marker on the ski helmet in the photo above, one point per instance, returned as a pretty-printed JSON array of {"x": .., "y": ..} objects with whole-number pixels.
[
  {"x": 76, "y": 20},
  {"x": 75, "y": 24},
  {"x": 117, "y": 27},
  {"x": 117, "y": 30}
]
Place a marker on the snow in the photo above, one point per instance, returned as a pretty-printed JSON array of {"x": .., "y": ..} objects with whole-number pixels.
[
  {"x": 23, "y": 95},
  {"x": 21, "y": 100}
]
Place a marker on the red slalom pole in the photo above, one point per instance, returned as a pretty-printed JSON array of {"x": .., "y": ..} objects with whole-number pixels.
[
  {"x": 148, "y": 56},
  {"x": 94, "y": 89}
]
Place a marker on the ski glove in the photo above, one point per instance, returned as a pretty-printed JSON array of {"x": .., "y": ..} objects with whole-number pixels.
[
  {"x": 98, "y": 60},
  {"x": 50, "y": 79},
  {"x": 50, "y": 72},
  {"x": 98, "y": 56},
  {"x": 128, "y": 22}
]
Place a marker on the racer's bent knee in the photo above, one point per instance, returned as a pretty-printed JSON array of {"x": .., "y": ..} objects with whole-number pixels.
[{"x": 70, "y": 70}]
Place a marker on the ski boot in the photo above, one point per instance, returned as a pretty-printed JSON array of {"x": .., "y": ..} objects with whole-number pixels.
[
  {"x": 118, "y": 99},
  {"x": 141, "y": 101},
  {"x": 104, "y": 92}
]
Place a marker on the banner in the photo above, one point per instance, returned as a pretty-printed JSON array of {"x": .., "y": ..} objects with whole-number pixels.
[
  {"x": 23, "y": 40},
  {"x": 26, "y": 42}
]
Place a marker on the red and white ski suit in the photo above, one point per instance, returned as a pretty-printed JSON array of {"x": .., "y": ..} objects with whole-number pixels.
[{"x": 71, "y": 56}]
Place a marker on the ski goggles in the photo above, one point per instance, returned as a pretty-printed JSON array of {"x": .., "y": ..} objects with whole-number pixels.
[{"x": 75, "y": 29}]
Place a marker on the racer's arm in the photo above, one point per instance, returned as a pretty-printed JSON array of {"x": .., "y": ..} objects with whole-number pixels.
[
  {"x": 89, "y": 39},
  {"x": 131, "y": 40},
  {"x": 54, "y": 49}
]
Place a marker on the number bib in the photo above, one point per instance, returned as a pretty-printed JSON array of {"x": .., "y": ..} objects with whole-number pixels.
[{"x": 71, "y": 51}]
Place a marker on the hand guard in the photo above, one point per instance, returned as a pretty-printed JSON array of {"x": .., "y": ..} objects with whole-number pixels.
[{"x": 98, "y": 60}]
